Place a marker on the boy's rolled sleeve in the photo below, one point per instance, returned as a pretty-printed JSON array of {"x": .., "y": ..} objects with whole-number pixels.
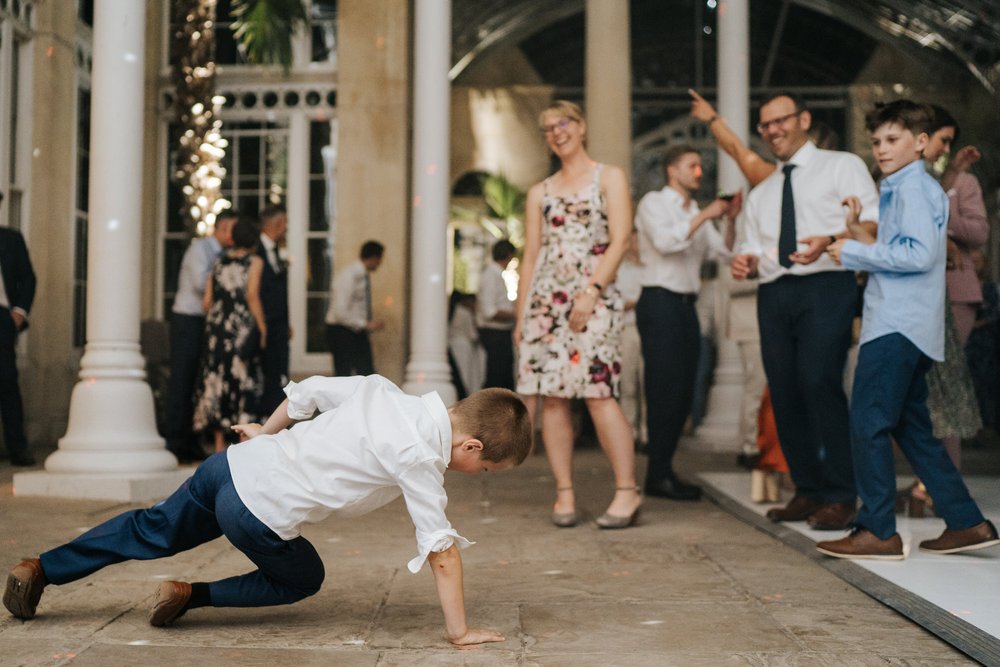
[
  {"x": 319, "y": 393},
  {"x": 423, "y": 490},
  {"x": 910, "y": 252}
]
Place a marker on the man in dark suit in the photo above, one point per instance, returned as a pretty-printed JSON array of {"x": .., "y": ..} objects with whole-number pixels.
[
  {"x": 17, "y": 291},
  {"x": 274, "y": 298}
]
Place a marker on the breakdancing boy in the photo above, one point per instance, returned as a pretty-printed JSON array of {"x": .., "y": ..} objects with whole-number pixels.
[
  {"x": 368, "y": 444},
  {"x": 902, "y": 330}
]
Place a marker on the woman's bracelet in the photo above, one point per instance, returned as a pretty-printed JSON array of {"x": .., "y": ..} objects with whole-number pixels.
[{"x": 712, "y": 119}]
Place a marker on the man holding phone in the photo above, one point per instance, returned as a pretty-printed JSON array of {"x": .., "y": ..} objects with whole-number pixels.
[
  {"x": 675, "y": 238},
  {"x": 806, "y": 306}
]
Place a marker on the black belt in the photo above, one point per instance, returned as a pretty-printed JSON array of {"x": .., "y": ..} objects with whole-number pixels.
[{"x": 683, "y": 298}]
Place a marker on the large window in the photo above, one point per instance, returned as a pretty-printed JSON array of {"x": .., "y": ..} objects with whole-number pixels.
[
  {"x": 15, "y": 33},
  {"x": 320, "y": 232},
  {"x": 256, "y": 165},
  {"x": 82, "y": 207}
]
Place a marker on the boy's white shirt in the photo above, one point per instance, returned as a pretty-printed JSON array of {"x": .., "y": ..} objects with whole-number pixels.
[{"x": 370, "y": 444}]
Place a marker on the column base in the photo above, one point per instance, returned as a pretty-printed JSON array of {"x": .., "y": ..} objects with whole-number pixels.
[
  {"x": 119, "y": 487},
  {"x": 423, "y": 376}
]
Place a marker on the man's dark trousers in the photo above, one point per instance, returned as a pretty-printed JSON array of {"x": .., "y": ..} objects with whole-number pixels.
[
  {"x": 499, "y": 347},
  {"x": 186, "y": 335},
  {"x": 274, "y": 357},
  {"x": 11, "y": 406},
  {"x": 889, "y": 401},
  {"x": 668, "y": 330},
  {"x": 805, "y": 332},
  {"x": 203, "y": 508},
  {"x": 351, "y": 350}
]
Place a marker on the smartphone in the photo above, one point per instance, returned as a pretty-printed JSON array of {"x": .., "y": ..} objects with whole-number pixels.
[{"x": 727, "y": 196}]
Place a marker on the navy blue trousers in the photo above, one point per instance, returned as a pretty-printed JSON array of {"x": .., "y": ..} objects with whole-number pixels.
[
  {"x": 11, "y": 407},
  {"x": 668, "y": 330},
  {"x": 889, "y": 400},
  {"x": 805, "y": 330},
  {"x": 186, "y": 332},
  {"x": 274, "y": 361},
  {"x": 499, "y": 346},
  {"x": 203, "y": 508}
]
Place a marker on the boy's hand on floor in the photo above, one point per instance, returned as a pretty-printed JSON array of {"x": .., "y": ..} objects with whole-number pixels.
[
  {"x": 477, "y": 636},
  {"x": 247, "y": 431}
]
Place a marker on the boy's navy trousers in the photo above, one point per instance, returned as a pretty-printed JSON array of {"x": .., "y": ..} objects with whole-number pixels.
[
  {"x": 202, "y": 509},
  {"x": 889, "y": 401}
]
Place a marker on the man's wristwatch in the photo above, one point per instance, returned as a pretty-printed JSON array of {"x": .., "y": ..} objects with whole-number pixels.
[{"x": 593, "y": 289}]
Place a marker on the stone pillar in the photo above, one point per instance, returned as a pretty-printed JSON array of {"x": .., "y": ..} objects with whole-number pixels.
[
  {"x": 608, "y": 94},
  {"x": 111, "y": 448},
  {"x": 733, "y": 54},
  {"x": 427, "y": 369},
  {"x": 720, "y": 430},
  {"x": 372, "y": 169}
]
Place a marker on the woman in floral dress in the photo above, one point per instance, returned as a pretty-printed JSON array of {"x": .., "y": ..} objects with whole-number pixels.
[
  {"x": 568, "y": 332},
  {"x": 235, "y": 332}
]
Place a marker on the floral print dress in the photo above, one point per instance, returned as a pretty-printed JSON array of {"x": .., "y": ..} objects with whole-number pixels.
[
  {"x": 231, "y": 375},
  {"x": 552, "y": 359}
]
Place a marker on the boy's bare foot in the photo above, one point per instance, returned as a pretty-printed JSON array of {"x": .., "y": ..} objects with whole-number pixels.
[
  {"x": 169, "y": 602},
  {"x": 24, "y": 588},
  {"x": 477, "y": 636}
]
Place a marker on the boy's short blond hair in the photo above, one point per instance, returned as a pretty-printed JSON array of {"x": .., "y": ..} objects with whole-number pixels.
[{"x": 499, "y": 419}]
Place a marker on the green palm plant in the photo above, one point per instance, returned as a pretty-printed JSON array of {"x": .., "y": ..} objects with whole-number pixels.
[
  {"x": 265, "y": 28},
  {"x": 505, "y": 202}
]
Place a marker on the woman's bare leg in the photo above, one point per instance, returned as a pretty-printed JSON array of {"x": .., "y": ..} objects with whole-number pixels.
[
  {"x": 557, "y": 432},
  {"x": 615, "y": 436}
]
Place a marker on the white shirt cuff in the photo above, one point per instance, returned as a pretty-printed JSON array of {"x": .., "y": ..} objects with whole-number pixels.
[
  {"x": 437, "y": 542},
  {"x": 296, "y": 410}
]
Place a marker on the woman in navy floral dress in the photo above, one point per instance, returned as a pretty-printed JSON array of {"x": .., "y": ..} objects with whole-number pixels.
[
  {"x": 578, "y": 222},
  {"x": 235, "y": 331}
]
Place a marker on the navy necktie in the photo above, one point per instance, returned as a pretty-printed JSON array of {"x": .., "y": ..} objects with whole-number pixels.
[{"x": 787, "y": 242}]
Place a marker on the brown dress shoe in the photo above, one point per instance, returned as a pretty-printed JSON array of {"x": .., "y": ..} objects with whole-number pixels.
[
  {"x": 864, "y": 544},
  {"x": 24, "y": 588},
  {"x": 979, "y": 536},
  {"x": 833, "y": 516},
  {"x": 798, "y": 508},
  {"x": 169, "y": 603}
]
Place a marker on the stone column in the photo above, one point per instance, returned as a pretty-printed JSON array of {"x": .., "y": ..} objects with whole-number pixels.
[
  {"x": 733, "y": 53},
  {"x": 427, "y": 369},
  {"x": 720, "y": 430},
  {"x": 111, "y": 448},
  {"x": 609, "y": 83}
]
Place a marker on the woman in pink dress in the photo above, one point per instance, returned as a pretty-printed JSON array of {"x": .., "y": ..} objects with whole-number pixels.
[{"x": 568, "y": 332}]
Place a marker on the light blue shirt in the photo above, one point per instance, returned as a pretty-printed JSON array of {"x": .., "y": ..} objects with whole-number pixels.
[
  {"x": 195, "y": 267},
  {"x": 905, "y": 292}
]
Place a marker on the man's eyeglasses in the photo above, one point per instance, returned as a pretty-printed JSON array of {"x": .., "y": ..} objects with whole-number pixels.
[
  {"x": 775, "y": 123},
  {"x": 561, "y": 125}
]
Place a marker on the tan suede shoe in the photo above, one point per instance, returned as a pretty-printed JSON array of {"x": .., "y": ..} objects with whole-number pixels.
[
  {"x": 980, "y": 536},
  {"x": 864, "y": 544}
]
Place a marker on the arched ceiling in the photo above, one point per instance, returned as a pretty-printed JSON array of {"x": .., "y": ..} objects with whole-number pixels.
[{"x": 959, "y": 33}]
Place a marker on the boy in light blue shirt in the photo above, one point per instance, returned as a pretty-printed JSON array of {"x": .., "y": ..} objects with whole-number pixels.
[{"x": 902, "y": 332}]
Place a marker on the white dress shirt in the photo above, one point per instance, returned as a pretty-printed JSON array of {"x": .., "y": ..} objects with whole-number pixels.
[
  {"x": 198, "y": 261},
  {"x": 669, "y": 258},
  {"x": 369, "y": 444},
  {"x": 349, "y": 302},
  {"x": 821, "y": 181},
  {"x": 492, "y": 299},
  {"x": 271, "y": 250}
]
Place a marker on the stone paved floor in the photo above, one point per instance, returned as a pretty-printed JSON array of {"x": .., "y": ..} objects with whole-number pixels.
[{"x": 690, "y": 586}]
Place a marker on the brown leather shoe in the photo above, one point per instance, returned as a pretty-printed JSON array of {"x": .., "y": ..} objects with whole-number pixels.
[
  {"x": 980, "y": 536},
  {"x": 169, "y": 603},
  {"x": 798, "y": 508},
  {"x": 864, "y": 544},
  {"x": 833, "y": 516},
  {"x": 24, "y": 588}
]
